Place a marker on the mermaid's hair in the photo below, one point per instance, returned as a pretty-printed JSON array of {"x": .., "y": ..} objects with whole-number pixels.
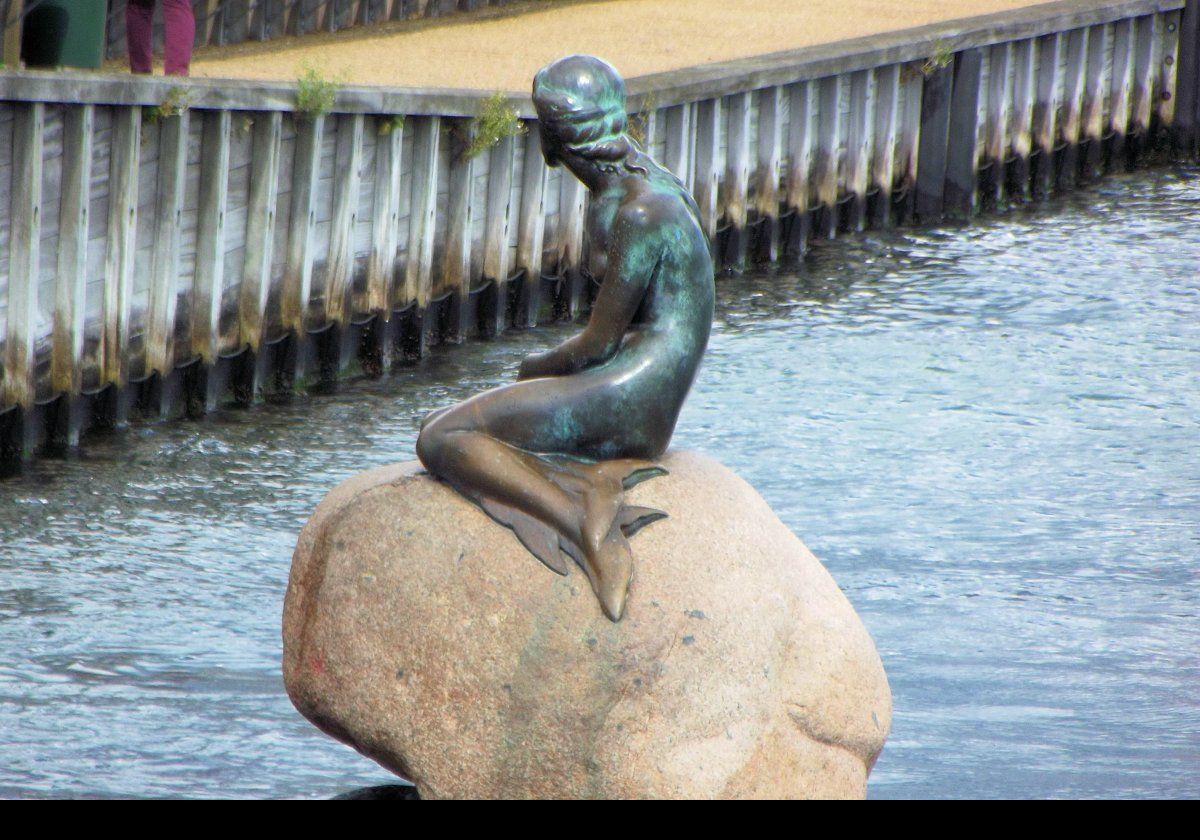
[{"x": 581, "y": 102}]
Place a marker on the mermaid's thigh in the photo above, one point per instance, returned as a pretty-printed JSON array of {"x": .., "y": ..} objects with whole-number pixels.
[{"x": 573, "y": 415}]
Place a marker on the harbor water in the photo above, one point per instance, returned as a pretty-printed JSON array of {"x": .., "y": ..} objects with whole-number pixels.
[{"x": 990, "y": 434}]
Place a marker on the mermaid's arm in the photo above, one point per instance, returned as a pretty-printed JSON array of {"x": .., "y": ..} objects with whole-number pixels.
[{"x": 632, "y": 258}]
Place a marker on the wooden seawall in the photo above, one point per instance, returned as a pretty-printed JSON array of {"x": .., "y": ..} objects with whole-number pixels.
[{"x": 167, "y": 246}]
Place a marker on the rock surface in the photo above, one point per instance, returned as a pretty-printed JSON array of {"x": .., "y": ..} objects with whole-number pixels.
[{"x": 424, "y": 635}]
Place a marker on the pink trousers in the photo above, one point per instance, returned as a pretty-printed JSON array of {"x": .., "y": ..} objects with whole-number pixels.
[{"x": 180, "y": 26}]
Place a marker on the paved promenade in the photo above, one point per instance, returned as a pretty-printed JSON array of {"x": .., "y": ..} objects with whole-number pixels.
[{"x": 638, "y": 36}]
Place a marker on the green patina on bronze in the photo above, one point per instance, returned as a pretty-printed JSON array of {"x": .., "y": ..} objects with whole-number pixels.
[{"x": 551, "y": 455}]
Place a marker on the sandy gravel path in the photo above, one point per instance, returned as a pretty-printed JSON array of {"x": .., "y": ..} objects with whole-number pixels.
[{"x": 637, "y": 36}]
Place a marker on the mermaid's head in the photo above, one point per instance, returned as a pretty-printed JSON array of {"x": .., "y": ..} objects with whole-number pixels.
[{"x": 580, "y": 102}]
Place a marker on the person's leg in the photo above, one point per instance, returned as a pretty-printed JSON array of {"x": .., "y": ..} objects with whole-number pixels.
[
  {"x": 139, "y": 35},
  {"x": 180, "y": 26}
]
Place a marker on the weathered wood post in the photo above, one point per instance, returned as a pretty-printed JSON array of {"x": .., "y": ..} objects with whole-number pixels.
[
  {"x": 460, "y": 214},
  {"x": 935, "y": 137},
  {"x": 20, "y": 383},
  {"x": 496, "y": 257},
  {"x": 960, "y": 196},
  {"x": 422, "y": 224},
  {"x": 210, "y": 256},
  {"x": 261, "y": 220},
  {"x": 801, "y": 110},
  {"x": 70, "y": 285},
  {"x": 531, "y": 227}
]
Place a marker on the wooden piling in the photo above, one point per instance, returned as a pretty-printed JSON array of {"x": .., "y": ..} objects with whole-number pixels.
[
  {"x": 1145, "y": 74},
  {"x": 20, "y": 382},
  {"x": 708, "y": 161},
  {"x": 1046, "y": 112},
  {"x": 122, "y": 248},
  {"x": 962, "y": 157},
  {"x": 1070, "y": 125},
  {"x": 70, "y": 285},
  {"x": 827, "y": 156},
  {"x": 859, "y": 145},
  {"x": 1166, "y": 87},
  {"x": 262, "y": 200},
  {"x": 1097, "y": 88},
  {"x": 767, "y": 172},
  {"x": 210, "y": 252},
  {"x": 883, "y": 160},
  {"x": 736, "y": 183},
  {"x": 679, "y": 136},
  {"x": 801, "y": 110},
  {"x": 908, "y": 141},
  {"x": 935, "y": 137},
  {"x": 999, "y": 118},
  {"x": 348, "y": 163},
  {"x": 456, "y": 260},
  {"x": 296, "y": 288},
  {"x": 531, "y": 227},
  {"x": 164, "y": 271},
  {"x": 1124, "y": 65},
  {"x": 496, "y": 257},
  {"x": 572, "y": 204},
  {"x": 422, "y": 223}
]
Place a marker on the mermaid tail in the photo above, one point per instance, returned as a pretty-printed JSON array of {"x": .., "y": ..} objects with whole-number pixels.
[{"x": 599, "y": 491}]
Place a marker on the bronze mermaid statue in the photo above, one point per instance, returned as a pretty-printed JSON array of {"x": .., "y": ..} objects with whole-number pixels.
[{"x": 551, "y": 454}]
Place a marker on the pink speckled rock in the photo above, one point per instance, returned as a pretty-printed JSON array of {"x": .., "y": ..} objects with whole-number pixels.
[{"x": 424, "y": 635}]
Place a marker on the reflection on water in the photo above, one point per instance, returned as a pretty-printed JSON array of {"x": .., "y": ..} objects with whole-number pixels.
[{"x": 989, "y": 435}]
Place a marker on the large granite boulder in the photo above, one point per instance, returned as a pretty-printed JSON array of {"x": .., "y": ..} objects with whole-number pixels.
[{"x": 424, "y": 635}]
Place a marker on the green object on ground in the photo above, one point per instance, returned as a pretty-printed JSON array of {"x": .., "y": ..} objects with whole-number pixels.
[{"x": 64, "y": 33}]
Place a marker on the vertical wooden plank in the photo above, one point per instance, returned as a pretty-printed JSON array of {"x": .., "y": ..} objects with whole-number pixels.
[
  {"x": 1149, "y": 45},
  {"x": 708, "y": 161},
  {"x": 122, "y": 243},
  {"x": 418, "y": 270},
  {"x": 572, "y": 209},
  {"x": 935, "y": 136},
  {"x": 298, "y": 264},
  {"x": 531, "y": 227},
  {"x": 211, "y": 24},
  {"x": 263, "y": 196},
  {"x": 210, "y": 237},
  {"x": 860, "y": 138},
  {"x": 960, "y": 196},
  {"x": 802, "y": 103},
  {"x": 1123, "y": 67},
  {"x": 385, "y": 238},
  {"x": 1167, "y": 87},
  {"x": 1187, "y": 92},
  {"x": 20, "y": 384},
  {"x": 828, "y": 152},
  {"x": 1045, "y": 112},
  {"x": 1072, "y": 106},
  {"x": 734, "y": 190},
  {"x": 677, "y": 126},
  {"x": 1025, "y": 62},
  {"x": 883, "y": 161},
  {"x": 767, "y": 173},
  {"x": 348, "y": 162},
  {"x": 496, "y": 257},
  {"x": 1096, "y": 93},
  {"x": 164, "y": 272},
  {"x": 70, "y": 287},
  {"x": 456, "y": 263},
  {"x": 908, "y": 144},
  {"x": 999, "y": 117}
]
